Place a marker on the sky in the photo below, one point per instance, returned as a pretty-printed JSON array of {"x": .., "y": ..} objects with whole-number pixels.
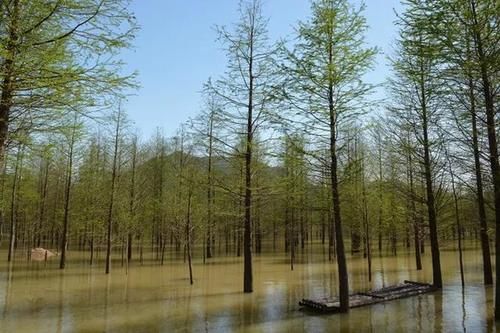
[{"x": 176, "y": 51}]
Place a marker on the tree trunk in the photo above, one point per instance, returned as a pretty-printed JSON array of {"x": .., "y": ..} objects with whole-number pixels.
[
  {"x": 366, "y": 223},
  {"x": 210, "y": 187},
  {"x": 247, "y": 237},
  {"x": 483, "y": 227},
  {"x": 43, "y": 199},
  {"x": 492, "y": 143},
  {"x": 132, "y": 200},
  {"x": 339, "y": 239},
  {"x": 6, "y": 97},
  {"x": 431, "y": 205},
  {"x": 380, "y": 211},
  {"x": 13, "y": 204},
  {"x": 414, "y": 217},
  {"x": 457, "y": 221},
  {"x": 188, "y": 237},
  {"x": 67, "y": 196},
  {"x": 112, "y": 195},
  {"x": 2, "y": 198}
]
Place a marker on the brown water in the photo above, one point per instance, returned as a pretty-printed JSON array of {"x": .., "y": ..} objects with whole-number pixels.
[{"x": 154, "y": 298}]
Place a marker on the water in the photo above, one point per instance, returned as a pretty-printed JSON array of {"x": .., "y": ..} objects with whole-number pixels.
[{"x": 154, "y": 298}]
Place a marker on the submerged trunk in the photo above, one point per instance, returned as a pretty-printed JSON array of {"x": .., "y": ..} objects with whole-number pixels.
[
  {"x": 247, "y": 236},
  {"x": 414, "y": 217},
  {"x": 366, "y": 223},
  {"x": 6, "y": 100},
  {"x": 112, "y": 195},
  {"x": 339, "y": 239},
  {"x": 380, "y": 174},
  {"x": 431, "y": 204},
  {"x": 67, "y": 198},
  {"x": 44, "y": 175},
  {"x": 210, "y": 193},
  {"x": 13, "y": 204},
  {"x": 457, "y": 224},
  {"x": 132, "y": 200},
  {"x": 483, "y": 227},
  {"x": 431, "y": 210},
  {"x": 188, "y": 237},
  {"x": 492, "y": 143}
]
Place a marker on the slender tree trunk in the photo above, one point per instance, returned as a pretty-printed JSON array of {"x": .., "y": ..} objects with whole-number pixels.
[
  {"x": 380, "y": 211},
  {"x": 91, "y": 260},
  {"x": 188, "y": 237},
  {"x": 247, "y": 237},
  {"x": 210, "y": 188},
  {"x": 457, "y": 221},
  {"x": 421, "y": 222},
  {"x": 13, "y": 203},
  {"x": 492, "y": 143},
  {"x": 415, "y": 220},
  {"x": 67, "y": 196},
  {"x": 43, "y": 199},
  {"x": 257, "y": 231},
  {"x": 132, "y": 200},
  {"x": 366, "y": 223},
  {"x": 292, "y": 235},
  {"x": 7, "y": 92},
  {"x": 431, "y": 205},
  {"x": 112, "y": 195},
  {"x": 339, "y": 240},
  {"x": 2, "y": 198},
  {"x": 483, "y": 227}
]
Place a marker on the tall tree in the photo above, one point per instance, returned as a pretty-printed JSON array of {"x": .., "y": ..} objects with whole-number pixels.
[
  {"x": 118, "y": 120},
  {"x": 464, "y": 27},
  {"x": 45, "y": 160},
  {"x": 14, "y": 201},
  {"x": 416, "y": 89},
  {"x": 72, "y": 137},
  {"x": 132, "y": 196},
  {"x": 326, "y": 67},
  {"x": 247, "y": 90},
  {"x": 57, "y": 54},
  {"x": 484, "y": 22}
]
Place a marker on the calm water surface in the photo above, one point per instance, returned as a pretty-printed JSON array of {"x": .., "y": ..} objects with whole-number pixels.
[{"x": 154, "y": 298}]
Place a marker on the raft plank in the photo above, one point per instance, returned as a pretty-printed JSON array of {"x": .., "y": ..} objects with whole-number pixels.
[{"x": 332, "y": 304}]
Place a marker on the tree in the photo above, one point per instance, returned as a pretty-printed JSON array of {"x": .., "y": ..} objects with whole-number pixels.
[
  {"x": 118, "y": 120},
  {"x": 45, "y": 161},
  {"x": 460, "y": 35},
  {"x": 206, "y": 127},
  {"x": 416, "y": 89},
  {"x": 14, "y": 200},
  {"x": 57, "y": 55},
  {"x": 294, "y": 187},
  {"x": 132, "y": 196},
  {"x": 484, "y": 22},
  {"x": 247, "y": 90},
  {"x": 326, "y": 67},
  {"x": 67, "y": 191}
]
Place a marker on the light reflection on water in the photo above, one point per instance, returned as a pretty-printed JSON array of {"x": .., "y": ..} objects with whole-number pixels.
[{"x": 153, "y": 298}]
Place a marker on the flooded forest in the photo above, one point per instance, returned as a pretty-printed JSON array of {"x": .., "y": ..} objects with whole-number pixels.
[{"x": 300, "y": 178}]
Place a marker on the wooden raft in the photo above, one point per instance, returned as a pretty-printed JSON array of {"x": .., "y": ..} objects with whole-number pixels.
[{"x": 332, "y": 304}]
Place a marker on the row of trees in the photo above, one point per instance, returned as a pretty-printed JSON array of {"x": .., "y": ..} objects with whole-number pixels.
[
  {"x": 288, "y": 150},
  {"x": 443, "y": 95},
  {"x": 57, "y": 62}
]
